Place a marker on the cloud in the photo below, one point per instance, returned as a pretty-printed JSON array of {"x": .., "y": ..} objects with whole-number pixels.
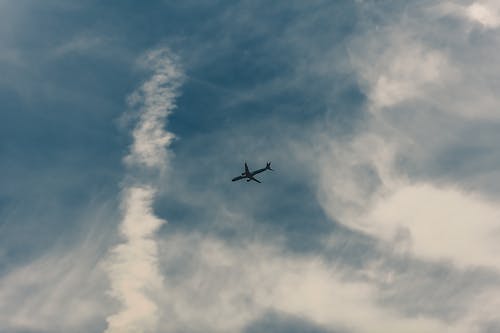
[
  {"x": 212, "y": 286},
  {"x": 87, "y": 43},
  {"x": 486, "y": 13},
  {"x": 133, "y": 265},
  {"x": 64, "y": 289},
  {"x": 61, "y": 290},
  {"x": 33, "y": 297},
  {"x": 442, "y": 223},
  {"x": 157, "y": 96},
  {"x": 427, "y": 87},
  {"x": 410, "y": 94},
  {"x": 279, "y": 322},
  {"x": 400, "y": 68}
]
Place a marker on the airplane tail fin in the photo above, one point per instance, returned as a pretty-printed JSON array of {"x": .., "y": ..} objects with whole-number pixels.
[{"x": 268, "y": 166}]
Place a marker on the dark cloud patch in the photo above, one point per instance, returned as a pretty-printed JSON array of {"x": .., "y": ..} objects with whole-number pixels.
[
  {"x": 433, "y": 289},
  {"x": 491, "y": 327},
  {"x": 470, "y": 157},
  {"x": 281, "y": 322}
]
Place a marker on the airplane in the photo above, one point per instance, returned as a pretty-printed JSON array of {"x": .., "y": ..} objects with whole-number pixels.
[{"x": 249, "y": 175}]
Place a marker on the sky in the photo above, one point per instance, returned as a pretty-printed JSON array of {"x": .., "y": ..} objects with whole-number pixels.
[{"x": 122, "y": 124}]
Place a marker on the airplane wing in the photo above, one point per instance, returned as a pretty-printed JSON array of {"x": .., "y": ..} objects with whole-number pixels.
[
  {"x": 258, "y": 181},
  {"x": 237, "y": 178},
  {"x": 246, "y": 168}
]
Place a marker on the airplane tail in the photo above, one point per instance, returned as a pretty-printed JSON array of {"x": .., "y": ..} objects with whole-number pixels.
[{"x": 268, "y": 166}]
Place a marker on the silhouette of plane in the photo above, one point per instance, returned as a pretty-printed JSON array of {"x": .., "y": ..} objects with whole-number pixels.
[{"x": 249, "y": 175}]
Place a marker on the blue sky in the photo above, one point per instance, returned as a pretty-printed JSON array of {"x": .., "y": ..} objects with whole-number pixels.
[{"x": 122, "y": 125}]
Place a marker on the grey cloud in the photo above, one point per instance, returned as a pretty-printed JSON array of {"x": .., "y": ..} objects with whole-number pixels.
[
  {"x": 491, "y": 327},
  {"x": 439, "y": 289},
  {"x": 280, "y": 322}
]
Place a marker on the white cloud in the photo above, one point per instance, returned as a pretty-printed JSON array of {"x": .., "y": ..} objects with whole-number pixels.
[
  {"x": 157, "y": 96},
  {"x": 366, "y": 192},
  {"x": 133, "y": 265},
  {"x": 443, "y": 223},
  {"x": 419, "y": 61},
  {"x": 486, "y": 13}
]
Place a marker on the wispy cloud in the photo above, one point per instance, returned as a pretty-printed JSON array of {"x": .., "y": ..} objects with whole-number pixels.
[
  {"x": 216, "y": 287},
  {"x": 62, "y": 289},
  {"x": 133, "y": 265}
]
